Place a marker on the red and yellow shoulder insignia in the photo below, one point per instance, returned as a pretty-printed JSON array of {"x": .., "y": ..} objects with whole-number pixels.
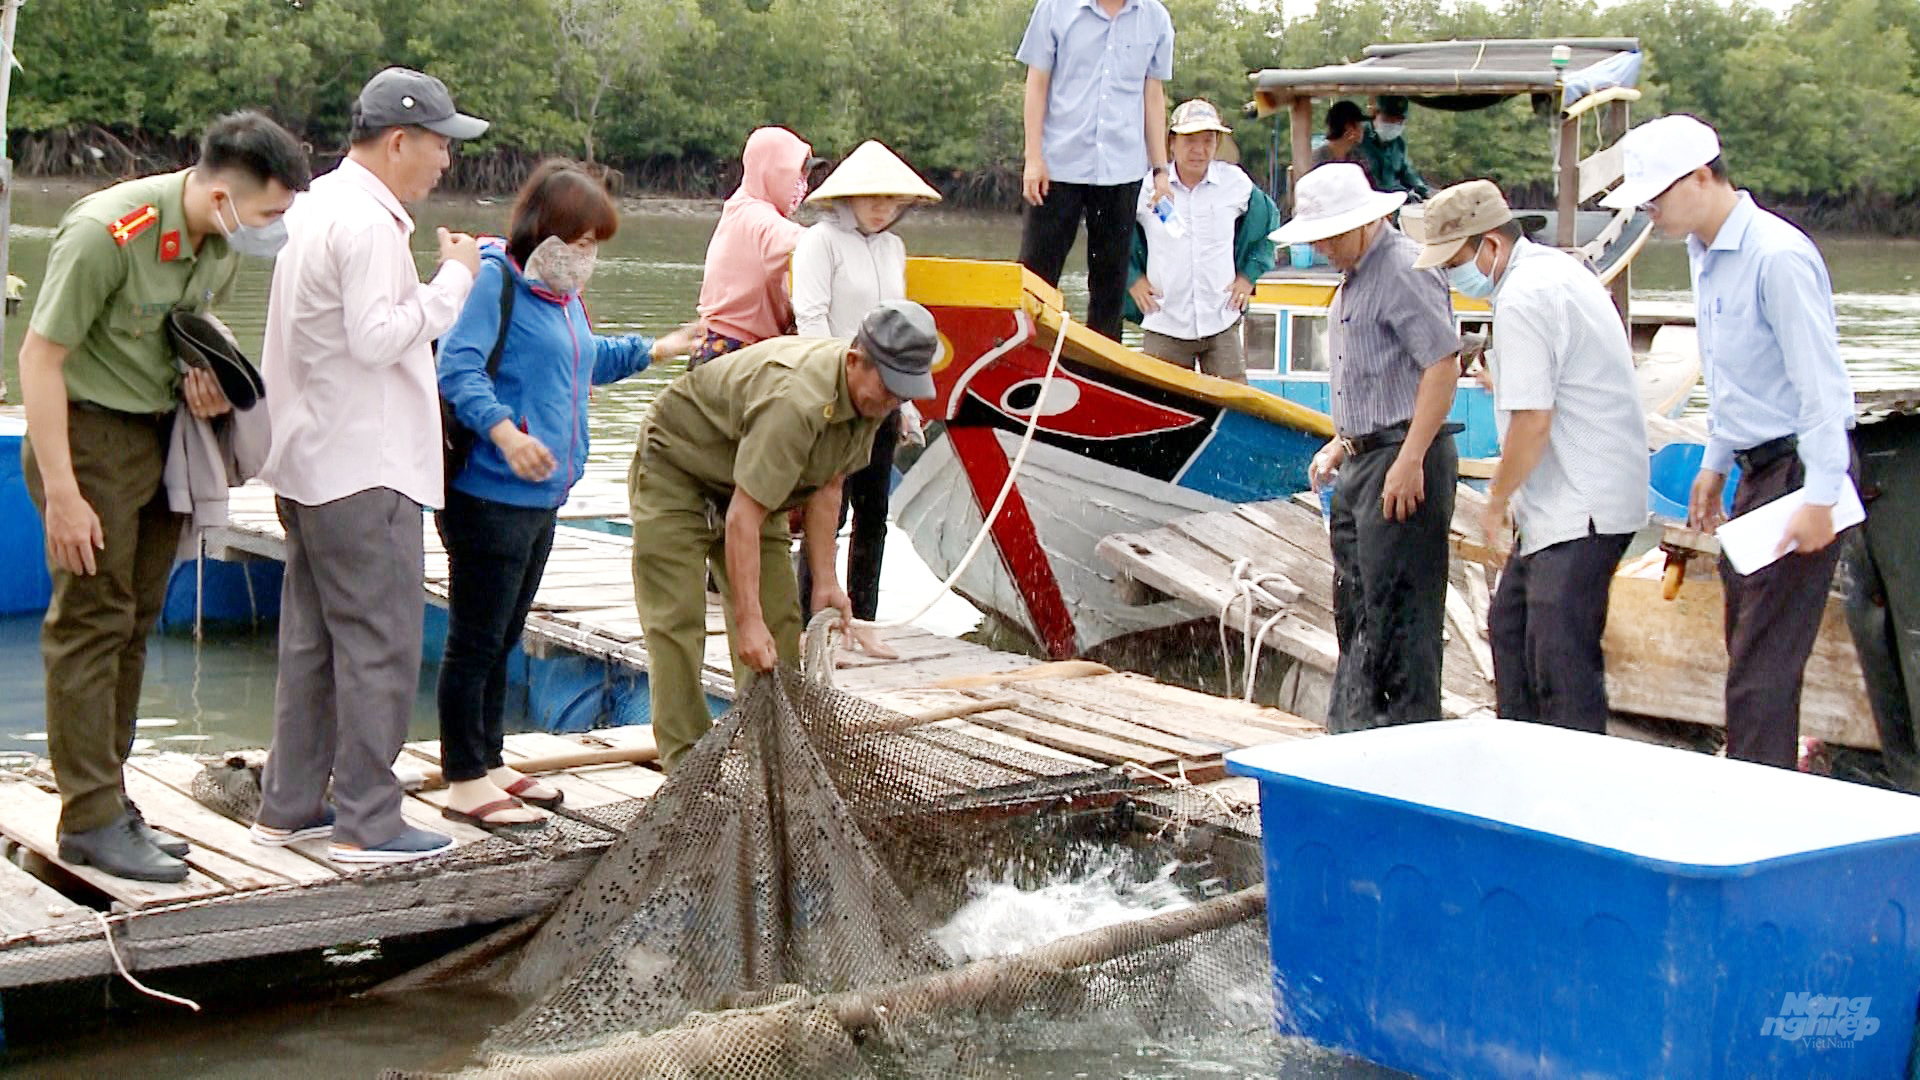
[
  {"x": 132, "y": 225},
  {"x": 170, "y": 245}
]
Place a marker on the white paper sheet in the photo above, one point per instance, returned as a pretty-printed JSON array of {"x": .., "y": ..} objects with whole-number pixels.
[{"x": 1752, "y": 540}]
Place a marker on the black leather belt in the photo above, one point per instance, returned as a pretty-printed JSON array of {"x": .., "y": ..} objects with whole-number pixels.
[
  {"x": 1753, "y": 459},
  {"x": 1391, "y": 435}
]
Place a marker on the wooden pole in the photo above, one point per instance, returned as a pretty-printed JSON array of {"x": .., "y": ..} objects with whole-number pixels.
[
  {"x": 1300, "y": 119},
  {"x": 9, "y": 14},
  {"x": 1613, "y": 127},
  {"x": 1568, "y": 203},
  {"x": 823, "y": 1027}
]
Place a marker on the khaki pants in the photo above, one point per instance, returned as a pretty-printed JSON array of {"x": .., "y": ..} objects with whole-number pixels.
[
  {"x": 678, "y": 537},
  {"x": 1221, "y": 355},
  {"x": 94, "y": 638}
]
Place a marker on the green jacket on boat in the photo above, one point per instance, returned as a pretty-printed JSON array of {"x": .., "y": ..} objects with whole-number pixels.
[
  {"x": 1253, "y": 253},
  {"x": 1387, "y": 165}
]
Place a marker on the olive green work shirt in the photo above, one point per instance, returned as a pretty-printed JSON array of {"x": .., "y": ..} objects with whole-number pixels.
[
  {"x": 107, "y": 300},
  {"x": 774, "y": 420}
]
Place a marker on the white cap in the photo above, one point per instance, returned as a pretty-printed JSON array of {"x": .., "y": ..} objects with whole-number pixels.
[
  {"x": 1332, "y": 199},
  {"x": 1658, "y": 153}
]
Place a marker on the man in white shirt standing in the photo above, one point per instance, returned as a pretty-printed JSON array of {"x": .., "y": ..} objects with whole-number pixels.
[
  {"x": 1573, "y": 461},
  {"x": 1193, "y": 270},
  {"x": 348, "y": 364}
]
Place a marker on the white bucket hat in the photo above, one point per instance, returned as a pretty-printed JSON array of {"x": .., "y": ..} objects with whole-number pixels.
[
  {"x": 1660, "y": 152},
  {"x": 872, "y": 169},
  {"x": 1333, "y": 199}
]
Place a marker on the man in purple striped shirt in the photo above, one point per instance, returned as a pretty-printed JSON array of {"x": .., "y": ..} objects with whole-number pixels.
[{"x": 1395, "y": 364}]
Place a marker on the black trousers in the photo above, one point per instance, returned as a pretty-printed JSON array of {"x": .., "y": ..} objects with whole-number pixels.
[
  {"x": 865, "y": 495},
  {"x": 1048, "y": 236},
  {"x": 1773, "y": 617},
  {"x": 1547, "y": 620},
  {"x": 1389, "y": 592},
  {"x": 496, "y": 553}
]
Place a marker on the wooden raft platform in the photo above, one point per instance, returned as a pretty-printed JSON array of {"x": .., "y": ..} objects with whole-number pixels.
[
  {"x": 991, "y": 715},
  {"x": 1192, "y": 558}
]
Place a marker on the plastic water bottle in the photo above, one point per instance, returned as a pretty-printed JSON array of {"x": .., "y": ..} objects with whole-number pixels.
[{"x": 1170, "y": 218}]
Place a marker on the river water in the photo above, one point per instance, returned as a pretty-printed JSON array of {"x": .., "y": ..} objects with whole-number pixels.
[{"x": 220, "y": 694}]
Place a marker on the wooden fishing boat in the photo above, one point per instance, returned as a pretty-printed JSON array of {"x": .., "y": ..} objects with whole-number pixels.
[{"x": 1123, "y": 442}]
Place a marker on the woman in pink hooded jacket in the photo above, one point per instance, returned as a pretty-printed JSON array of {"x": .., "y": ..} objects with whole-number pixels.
[{"x": 743, "y": 292}]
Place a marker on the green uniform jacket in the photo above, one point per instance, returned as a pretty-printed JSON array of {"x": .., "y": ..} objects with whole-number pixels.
[
  {"x": 1252, "y": 251},
  {"x": 1387, "y": 165},
  {"x": 120, "y": 262},
  {"x": 774, "y": 420}
]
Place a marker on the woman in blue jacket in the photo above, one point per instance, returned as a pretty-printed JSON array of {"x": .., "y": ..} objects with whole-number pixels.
[{"x": 529, "y": 419}]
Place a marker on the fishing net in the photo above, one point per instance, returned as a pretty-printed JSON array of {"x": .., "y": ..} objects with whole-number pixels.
[{"x": 771, "y": 911}]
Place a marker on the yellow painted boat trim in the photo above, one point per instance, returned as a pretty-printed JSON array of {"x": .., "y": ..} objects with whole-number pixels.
[
  {"x": 1319, "y": 294},
  {"x": 1006, "y": 286}
]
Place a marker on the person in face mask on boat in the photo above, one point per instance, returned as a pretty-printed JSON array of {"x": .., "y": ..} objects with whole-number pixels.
[
  {"x": 1573, "y": 461},
  {"x": 842, "y": 268},
  {"x": 1383, "y": 149},
  {"x": 517, "y": 369},
  {"x": 1395, "y": 364},
  {"x": 743, "y": 290}
]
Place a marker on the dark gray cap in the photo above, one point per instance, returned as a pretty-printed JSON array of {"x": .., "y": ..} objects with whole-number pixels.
[
  {"x": 901, "y": 340},
  {"x": 402, "y": 97}
]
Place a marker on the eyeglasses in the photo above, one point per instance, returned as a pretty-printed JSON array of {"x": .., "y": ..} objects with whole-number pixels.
[{"x": 1652, "y": 205}]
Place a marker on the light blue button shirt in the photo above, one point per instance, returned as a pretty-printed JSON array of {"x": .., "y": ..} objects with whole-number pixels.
[
  {"x": 1769, "y": 347},
  {"x": 1096, "y": 130}
]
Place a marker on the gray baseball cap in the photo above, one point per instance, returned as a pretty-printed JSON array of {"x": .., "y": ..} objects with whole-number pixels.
[
  {"x": 402, "y": 97},
  {"x": 900, "y": 338}
]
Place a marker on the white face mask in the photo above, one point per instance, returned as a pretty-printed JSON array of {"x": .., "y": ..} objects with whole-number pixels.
[
  {"x": 1388, "y": 132},
  {"x": 263, "y": 241},
  {"x": 560, "y": 266}
]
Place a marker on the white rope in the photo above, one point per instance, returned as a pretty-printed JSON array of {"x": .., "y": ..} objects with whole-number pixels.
[
  {"x": 121, "y": 966},
  {"x": 1006, "y": 489},
  {"x": 1181, "y": 815},
  {"x": 1247, "y": 585}
]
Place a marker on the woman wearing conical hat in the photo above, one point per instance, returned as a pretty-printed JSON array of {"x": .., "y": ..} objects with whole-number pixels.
[{"x": 842, "y": 268}]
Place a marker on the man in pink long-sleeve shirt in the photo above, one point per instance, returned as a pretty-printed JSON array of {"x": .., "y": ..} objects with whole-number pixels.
[{"x": 349, "y": 368}]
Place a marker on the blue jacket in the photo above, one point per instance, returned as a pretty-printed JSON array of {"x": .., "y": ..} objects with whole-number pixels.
[{"x": 551, "y": 359}]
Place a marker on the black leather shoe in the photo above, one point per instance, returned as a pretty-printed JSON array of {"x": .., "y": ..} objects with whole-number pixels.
[
  {"x": 166, "y": 842},
  {"x": 119, "y": 850}
]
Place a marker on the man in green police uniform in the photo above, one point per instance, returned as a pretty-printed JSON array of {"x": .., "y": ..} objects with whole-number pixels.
[
  {"x": 727, "y": 450},
  {"x": 101, "y": 385}
]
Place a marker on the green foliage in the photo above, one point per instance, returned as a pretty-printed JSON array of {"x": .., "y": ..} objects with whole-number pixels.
[{"x": 1821, "y": 102}]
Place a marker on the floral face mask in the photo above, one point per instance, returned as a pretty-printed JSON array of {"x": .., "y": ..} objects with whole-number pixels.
[{"x": 560, "y": 266}]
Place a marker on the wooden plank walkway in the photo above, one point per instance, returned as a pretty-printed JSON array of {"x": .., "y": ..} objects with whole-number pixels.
[
  {"x": 1021, "y": 723},
  {"x": 1193, "y": 558}
]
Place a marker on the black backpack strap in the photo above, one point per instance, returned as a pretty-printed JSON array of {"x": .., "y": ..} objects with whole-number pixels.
[{"x": 506, "y": 319}]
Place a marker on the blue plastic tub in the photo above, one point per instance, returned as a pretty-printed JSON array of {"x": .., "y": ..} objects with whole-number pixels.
[
  {"x": 1670, "y": 484},
  {"x": 1489, "y": 898},
  {"x": 25, "y": 587}
]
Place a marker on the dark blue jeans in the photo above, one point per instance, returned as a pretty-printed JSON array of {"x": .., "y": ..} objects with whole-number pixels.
[{"x": 495, "y": 556}]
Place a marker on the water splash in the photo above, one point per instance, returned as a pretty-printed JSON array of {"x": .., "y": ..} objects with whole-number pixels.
[{"x": 1005, "y": 915}]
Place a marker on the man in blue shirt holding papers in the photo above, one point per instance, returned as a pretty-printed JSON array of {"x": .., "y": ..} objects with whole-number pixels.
[{"x": 1778, "y": 403}]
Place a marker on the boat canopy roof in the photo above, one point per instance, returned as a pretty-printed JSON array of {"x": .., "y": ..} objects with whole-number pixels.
[{"x": 1461, "y": 74}]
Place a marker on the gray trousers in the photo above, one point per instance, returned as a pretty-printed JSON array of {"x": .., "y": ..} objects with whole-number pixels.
[{"x": 350, "y": 639}]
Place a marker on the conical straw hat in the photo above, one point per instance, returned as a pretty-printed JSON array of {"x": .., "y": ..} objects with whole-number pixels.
[{"x": 872, "y": 169}]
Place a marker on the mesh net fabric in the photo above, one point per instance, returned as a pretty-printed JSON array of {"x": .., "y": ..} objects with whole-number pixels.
[{"x": 752, "y": 921}]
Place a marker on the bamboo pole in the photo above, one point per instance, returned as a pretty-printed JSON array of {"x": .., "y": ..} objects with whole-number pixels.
[{"x": 826, "y": 1029}]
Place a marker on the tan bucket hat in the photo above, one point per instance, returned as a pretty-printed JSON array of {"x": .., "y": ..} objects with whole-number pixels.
[
  {"x": 1457, "y": 215},
  {"x": 872, "y": 169}
]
